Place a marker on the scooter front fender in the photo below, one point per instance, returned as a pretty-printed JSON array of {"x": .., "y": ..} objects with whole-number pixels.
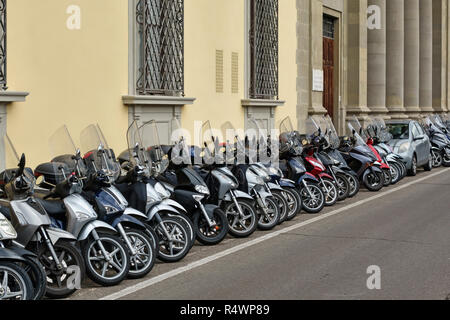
[
  {"x": 239, "y": 195},
  {"x": 161, "y": 207},
  {"x": 97, "y": 224},
  {"x": 324, "y": 175},
  {"x": 308, "y": 177},
  {"x": 287, "y": 183},
  {"x": 134, "y": 213},
  {"x": 273, "y": 186},
  {"x": 175, "y": 204},
  {"x": 128, "y": 220},
  {"x": 7, "y": 254},
  {"x": 57, "y": 234}
]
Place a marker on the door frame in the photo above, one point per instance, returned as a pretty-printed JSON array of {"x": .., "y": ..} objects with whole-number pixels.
[{"x": 339, "y": 113}]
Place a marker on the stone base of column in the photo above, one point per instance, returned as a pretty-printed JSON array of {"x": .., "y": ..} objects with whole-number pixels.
[
  {"x": 413, "y": 112},
  {"x": 317, "y": 110}
]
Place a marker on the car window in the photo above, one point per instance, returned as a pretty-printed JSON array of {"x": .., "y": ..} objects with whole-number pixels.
[{"x": 399, "y": 130}]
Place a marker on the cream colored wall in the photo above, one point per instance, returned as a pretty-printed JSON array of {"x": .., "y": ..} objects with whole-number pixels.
[
  {"x": 212, "y": 25},
  {"x": 74, "y": 77},
  {"x": 287, "y": 61}
]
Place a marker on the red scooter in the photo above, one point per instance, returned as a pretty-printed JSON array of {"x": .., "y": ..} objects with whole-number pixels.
[{"x": 318, "y": 170}]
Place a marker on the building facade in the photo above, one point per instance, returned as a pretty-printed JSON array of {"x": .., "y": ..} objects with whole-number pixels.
[{"x": 78, "y": 62}]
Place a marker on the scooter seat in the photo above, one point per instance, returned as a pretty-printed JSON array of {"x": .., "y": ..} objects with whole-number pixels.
[{"x": 54, "y": 208}]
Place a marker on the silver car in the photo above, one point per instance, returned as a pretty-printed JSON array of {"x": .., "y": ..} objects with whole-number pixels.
[{"x": 411, "y": 142}]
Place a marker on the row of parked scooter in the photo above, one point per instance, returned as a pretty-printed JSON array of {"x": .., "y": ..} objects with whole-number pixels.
[{"x": 90, "y": 212}]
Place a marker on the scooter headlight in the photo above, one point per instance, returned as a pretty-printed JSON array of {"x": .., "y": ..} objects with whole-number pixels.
[
  {"x": 202, "y": 189},
  {"x": 6, "y": 229}
]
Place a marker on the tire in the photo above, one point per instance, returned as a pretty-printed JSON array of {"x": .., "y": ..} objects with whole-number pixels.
[
  {"x": 373, "y": 181},
  {"x": 96, "y": 266},
  {"x": 181, "y": 241},
  {"x": 247, "y": 225},
  {"x": 282, "y": 205},
  {"x": 343, "y": 186},
  {"x": 395, "y": 172},
  {"x": 71, "y": 257},
  {"x": 313, "y": 204},
  {"x": 387, "y": 177},
  {"x": 429, "y": 165},
  {"x": 184, "y": 219},
  {"x": 153, "y": 236},
  {"x": 207, "y": 235},
  {"x": 437, "y": 159},
  {"x": 37, "y": 274},
  {"x": 18, "y": 282},
  {"x": 271, "y": 220},
  {"x": 144, "y": 260},
  {"x": 294, "y": 202},
  {"x": 354, "y": 185},
  {"x": 330, "y": 191},
  {"x": 413, "y": 171},
  {"x": 445, "y": 159}
]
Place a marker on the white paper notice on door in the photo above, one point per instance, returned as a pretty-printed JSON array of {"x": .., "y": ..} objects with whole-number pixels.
[{"x": 318, "y": 80}]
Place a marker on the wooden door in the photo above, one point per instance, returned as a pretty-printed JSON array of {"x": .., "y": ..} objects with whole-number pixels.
[{"x": 328, "y": 73}]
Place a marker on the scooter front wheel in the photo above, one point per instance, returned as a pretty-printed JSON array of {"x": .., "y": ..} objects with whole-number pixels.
[
  {"x": 294, "y": 202},
  {"x": 313, "y": 198},
  {"x": 58, "y": 279},
  {"x": 15, "y": 283},
  {"x": 241, "y": 227},
  {"x": 143, "y": 260},
  {"x": 269, "y": 220},
  {"x": 106, "y": 270},
  {"x": 210, "y": 235},
  {"x": 174, "y": 241},
  {"x": 373, "y": 181},
  {"x": 282, "y": 205}
]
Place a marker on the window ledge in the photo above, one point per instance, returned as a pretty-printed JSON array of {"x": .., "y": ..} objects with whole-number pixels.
[
  {"x": 262, "y": 103},
  {"x": 13, "y": 96},
  {"x": 157, "y": 100}
]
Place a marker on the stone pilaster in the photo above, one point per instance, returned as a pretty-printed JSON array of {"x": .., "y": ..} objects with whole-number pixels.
[
  {"x": 395, "y": 51},
  {"x": 376, "y": 65},
  {"x": 412, "y": 58},
  {"x": 426, "y": 56}
]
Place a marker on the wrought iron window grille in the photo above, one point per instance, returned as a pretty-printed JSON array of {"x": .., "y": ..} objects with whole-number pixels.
[
  {"x": 264, "y": 49},
  {"x": 3, "y": 44},
  {"x": 161, "y": 47}
]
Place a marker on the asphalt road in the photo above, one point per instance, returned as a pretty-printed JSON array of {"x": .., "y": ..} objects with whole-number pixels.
[{"x": 404, "y": 230}]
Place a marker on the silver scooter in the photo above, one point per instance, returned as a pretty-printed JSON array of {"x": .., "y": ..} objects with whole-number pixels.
[{"x": 55, "y": 248}]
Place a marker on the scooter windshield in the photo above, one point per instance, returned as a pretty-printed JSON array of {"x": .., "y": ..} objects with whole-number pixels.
[
  {"x": 290, "y": 139},
  {"x": 333, "y": 137},
  {"x": 356, "y": 125},
  {"x": 232, "y": 141},
  {"x": 152, "y": 145},
  {"x": 12, "y": 161},
  {"x": 312, "y": 128},
  {"x": 61, "y": 143},
  {"x": 97, "y": 155},
  {"x": 358, "y": 140},
  {"x": 138, "y": 156}
]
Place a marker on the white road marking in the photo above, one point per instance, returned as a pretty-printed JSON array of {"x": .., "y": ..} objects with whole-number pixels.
[{"x": 144, "y": 284}]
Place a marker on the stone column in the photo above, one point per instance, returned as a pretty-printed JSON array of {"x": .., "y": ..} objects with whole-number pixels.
[
  {"x": 426, "y": 56},
  {"x": 439, "y": 57},
  {"x": 356, "y": 67},
  {"x": 412, "y": 58},
  {"x": 395, "y": 59},
  {"x": 376, "y": 56}
]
